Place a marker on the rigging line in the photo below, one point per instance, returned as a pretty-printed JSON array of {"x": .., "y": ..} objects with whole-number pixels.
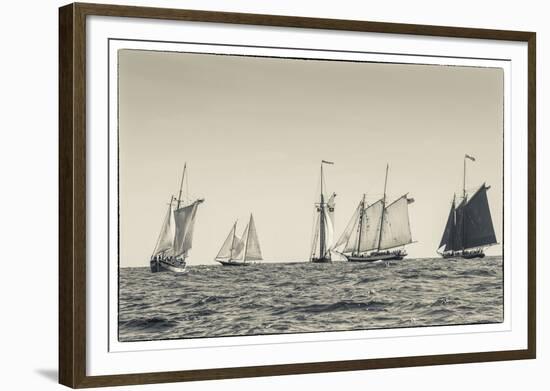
[{"x": 187, "y": 186}]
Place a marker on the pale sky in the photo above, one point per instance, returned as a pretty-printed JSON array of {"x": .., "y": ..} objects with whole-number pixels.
[{"x": 254, "y": 130}]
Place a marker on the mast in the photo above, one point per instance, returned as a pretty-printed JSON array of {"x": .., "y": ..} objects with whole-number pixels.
[
  {"x": 479, "y": 224},
  {"x": 453, "y": 227},
  {"x": 181, "y": 185},
  {"x": 361, "y": 214},
  {"x": 322, "y": 220},
  {"x": 464, "y": 201},
  {"x": 383, "y": 207}
]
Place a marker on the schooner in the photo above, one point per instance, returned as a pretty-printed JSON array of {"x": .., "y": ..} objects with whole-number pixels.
[
  {"x": 324, "y": 225},
  {"x": 469, "y": 228},
  {"x": 241, "y": 251},
  {"x": 176, "y": 234},
  {"x": 378, "y": 227}
]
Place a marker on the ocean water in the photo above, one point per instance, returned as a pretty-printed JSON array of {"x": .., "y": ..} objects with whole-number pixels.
[{"x": 275, "y": 298}]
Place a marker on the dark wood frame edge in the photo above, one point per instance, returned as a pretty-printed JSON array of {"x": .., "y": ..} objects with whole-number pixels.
[{"x": 72, "y": 194}]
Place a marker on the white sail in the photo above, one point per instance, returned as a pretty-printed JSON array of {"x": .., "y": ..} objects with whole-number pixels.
[
  {"x": 323, "y": 239},
  {"x": 238, "y": 249},
  {"x": 329, "y": 229},
  {"x": 227, "y": 246},
  {"x": 238, "y": 246},
  {"x": 331, "y": 204},
  {"x": 396, "y": 230},
  {"x": 164, "y": 243},
  {"x": 370, "y": 232},
  {"x": 184, "y": 220},
  {"x": 348, "y": 240},
  {"x": 329, "y": 235},
  {"x": 253, "y": 251},
  {"x": 314, "y": 247}
]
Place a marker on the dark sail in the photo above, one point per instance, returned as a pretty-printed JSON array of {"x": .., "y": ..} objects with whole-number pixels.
[
  {"x": 447, "y": 239},
  {"x": 459, "y": 228},
  {"x": 478, "y": 225}
]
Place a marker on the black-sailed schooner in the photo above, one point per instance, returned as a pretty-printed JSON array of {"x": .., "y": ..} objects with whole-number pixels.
[
  {"x": 469, "y": 228},
  {"x": 176, "y": 234},
  {"x": 381, "y": 228},
  {"x": 241, "y": 251},
  {"x": 323, "y": 231}
]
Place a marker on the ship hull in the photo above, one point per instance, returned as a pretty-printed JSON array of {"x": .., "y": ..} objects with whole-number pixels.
[
  {"x": 232, "y": 263},
  {"x": 464, "y": 255},
  {"x": 381, "y": 256},
  {"x": 162, "y": 266},
  {"x": 321, "y": 260},
  {"x": 473, "y": 255}
]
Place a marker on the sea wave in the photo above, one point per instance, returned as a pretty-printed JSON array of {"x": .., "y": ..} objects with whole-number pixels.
[
  {"x": 213, "y": 301},
  {"x": 337, "y": 306},
  {"x": 152, "y": 324}
]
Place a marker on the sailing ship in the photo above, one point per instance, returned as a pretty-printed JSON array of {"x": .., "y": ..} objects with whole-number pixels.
[
  {"x": 176, "y": 234},
  {"x": 469, "y": 228},
  {"x": 378, "y": 228},
  {"x": 324, "y": 225},
  {"x": 241, "y": 251}
]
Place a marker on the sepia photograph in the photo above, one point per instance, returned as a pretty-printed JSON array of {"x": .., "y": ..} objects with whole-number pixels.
[{"x": 268, "y": 195}]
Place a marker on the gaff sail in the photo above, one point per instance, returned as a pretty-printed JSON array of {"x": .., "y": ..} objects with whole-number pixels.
[
  {"x": 378, "y": 226},
  {"x": 347, "y": 241},
  {"x": 478, "y": 225},
  {"x": 396, "y": 229},
  {"x": 185, "y": 221},
  {"x": 469, "y": 225},
  {"x": 447, "y": 240},
  {"x": 363, "y": 231},
  {"x": 370, "y": 232}
]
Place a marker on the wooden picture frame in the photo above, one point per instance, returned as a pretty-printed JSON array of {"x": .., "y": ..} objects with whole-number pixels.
[{"x": 73, "y": 199}]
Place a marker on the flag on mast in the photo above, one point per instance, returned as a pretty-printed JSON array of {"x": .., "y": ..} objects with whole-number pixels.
[
  {"x": 326, "y": 162},
  {"x": 470, "y": 157}
]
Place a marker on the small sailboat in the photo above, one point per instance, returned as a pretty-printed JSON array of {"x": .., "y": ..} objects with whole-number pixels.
[
  {"x": 241, "y": 251},
  {"x": 176, "y": 234},
  {"x": 324, "y": 225},
  {"x": 469, "y": 228},
  {"x": 378, "y": 228}
]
